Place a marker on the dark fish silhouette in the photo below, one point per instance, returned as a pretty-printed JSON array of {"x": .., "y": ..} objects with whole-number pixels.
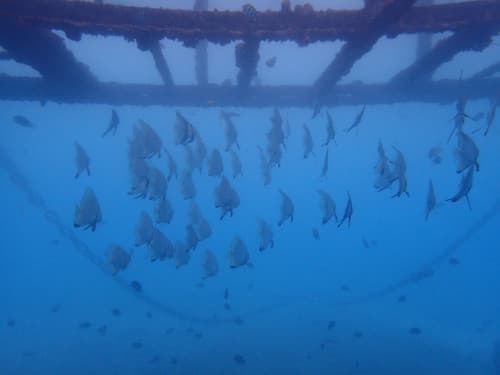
[
  {"x": 271, "y": 62},
  {"x": 431, "y": 200},
  {"x": 22, "y": 121},
  {"x": 55, "y": 308},
  {"x": 454, "y": 261},
  {"x": 357, "y": 121},
  {"x": 358, "y": 334},
  {"x": 331, "y": 324},
  {"x": 402, "y": 299},
  {"x": 136, "y": 286},
  {"x": 113, "y": 124},
  {"x": 347, "y": 212},
  {"x": 239, "y": 359},
  {"x": 137, "y": 345},
  {"x": 415, "y": 331},
  {"x": 11, "y": 323},
  {"x": 115, "y": 311},
  {"x": 102, "y": 330},
  {"x": 464, "y": 188},
  {"x": 84, "y": 325},
  {"x": 315, "y": 233}
]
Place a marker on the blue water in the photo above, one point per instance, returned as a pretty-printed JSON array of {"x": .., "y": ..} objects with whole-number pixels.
[{"x": 281, "y": 308}]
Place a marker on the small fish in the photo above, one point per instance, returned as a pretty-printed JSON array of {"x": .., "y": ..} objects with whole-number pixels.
[
  {"x": 117, "y": 259},
  {"x": 102, "y": 330},
  {"x": 358, "y": 334},
  {"x": 366, "y": 244},
  {"x": 116, "y": 311},
  {"x": 82, "y": 160},
  {"x": 491, "y": 116},
  {"x": 331, "y": 324},
  {"x": 434, "y": 154},
  {"x": 324, "y": 170},
  {"x": 266, "y": 236},
  {"x": 11, "y": 323},
  {"x": 22, "y": 121},
  {"x": 286, "y": 208},
  {"x": 431, "y": 200},
  {"x": 330, "y": 130},
  {"x": 198, "y": 335},
  {"x": 173, "y": 361},
  {"x": 271, "y": 62},
  {"x": 88, "y": 212},
  {"x": 315, "y": 233},
  {"x": 84, "y": 325},
  {"x": 55, "y": 308},
  {"x": 113, "y": 124},
  {"x": 454, "y": 261},
  {"x": 155, "y": 359},
  {"x": 327, "y": 206},
  {"x": 238, "y": 321},
  {"x": 402, "y": 299},
  {"x": 345, "y": 288},
  {"x": 239, "y": 359},
  {"x": 136, "y": 286},
  {"x": 238, "y": 253},
  {"x": 466, "y": 153},
  {"x": 307, "y": 142},
  {"x": 137, "y": 345},
  {"x": 464, "y": 188},
  {"x": 250, "y": 12},
  {"x": 209, "y": 265},
  {"x": 357, "y": 120},
  {"x": 347, "y": 212},
  {"x": 415, "y": 331}
]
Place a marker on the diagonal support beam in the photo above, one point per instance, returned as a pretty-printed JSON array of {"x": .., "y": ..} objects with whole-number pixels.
[
  {"x": 153, "y": 45},
  {"x": 381, "y": 14},
  {"x": 444, "y": 51},
  {"x": 45, "y": 52},
  {"x": 487, "y": 72}
]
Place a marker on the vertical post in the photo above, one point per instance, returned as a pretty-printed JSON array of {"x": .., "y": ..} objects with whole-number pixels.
[
  {"x": 201, "y": 50},
  {"x": 424, "y": 40}
]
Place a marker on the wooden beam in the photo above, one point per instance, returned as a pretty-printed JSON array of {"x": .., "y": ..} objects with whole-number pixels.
[
  {"x": 223, "y": 27},
  {"x": 464, "y": 40},
  {"x": 381, "y": 14},
  {"x": 445, "y": 91}
]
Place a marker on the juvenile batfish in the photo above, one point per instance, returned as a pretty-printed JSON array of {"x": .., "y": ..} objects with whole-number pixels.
[
  {"x": 347, "y": 212},
  {"x": 327, "y": 206},
  {"x": 236, "y": 164},
  {"x": 160, "y": 246},
  {"x": 230, "y": 130},
  {"x": 157, "y": 184},
  {"x": 200, "y": 153},
  {"x": 491, "y": 115},
  {"x": 172, "y": 167},
  {"x": 163, "y": 212},
  {"x": 431, "y": 200},
  {"x": 357, "y": 121},
  {"x": 191, "y": 238},
  {"x": 265, "y": 232},
  {"x": 466, "y": 153},
  {"x": 286, "y": 208},
  {"x": 464, "y": 188},
  {"x": 88, "y": 212},
  {"x": 181, "y": 255},
  {"x": 184, "y": 132},
  {"x": 203, "y": 229},
  {"x": 143, "y": 229},
  {"x": 118, "y": 259},
  {"x": 186, "y": 186},
  {"x": 82, "y": 160},
  {"x": 324, "y": 170},
  {"x": 265, "y": 168},
  {"x": 307, "y": 142},
  {"x": 215, "y": 165},
  {"x": 226, "y": 198},
  {"x": 209, "y": 264},
  {"x": 330, "y": 130},
  {"x": 403, "y": 186},
  {"x": 113, "y": 124},
  {"x": 238, "y": 253}
]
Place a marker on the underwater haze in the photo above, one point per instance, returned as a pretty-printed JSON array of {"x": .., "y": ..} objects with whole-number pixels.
[{"x": 113, "y": 263}]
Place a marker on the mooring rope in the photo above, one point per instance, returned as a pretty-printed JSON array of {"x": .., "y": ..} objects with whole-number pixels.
[{"x": 81, "y": 247}]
